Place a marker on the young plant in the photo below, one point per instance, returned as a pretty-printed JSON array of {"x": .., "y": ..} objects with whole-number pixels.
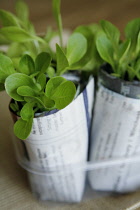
[
  {"x": 32, "y": 91},
  {"x": 123, "y": 56},
  {"x": 80, "y": 53}
]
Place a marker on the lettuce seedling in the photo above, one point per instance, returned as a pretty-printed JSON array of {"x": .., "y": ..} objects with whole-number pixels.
[
  {"x": 122, "y": 55},
  {"x": 32, "y": 90}
]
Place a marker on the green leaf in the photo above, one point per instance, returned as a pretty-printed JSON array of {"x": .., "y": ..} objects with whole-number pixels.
[
  {"x": 16, "y": 34},
  {"x": 132, "y": 30},
  {"x": 14, "y": 81},
  {"x": 57, "y": 15},
  {"x": 26, "y": 91},
  {"x": 22, "y": 10},
  {"x": 111, "y": 31},
  {"x": 27, "y": 111},
  {"x": 131, "y": 73},
  {"x": 137, "y": 65},
  {"x": 14, "y": 107},
  {"x": 105, "y": 49},
  {"x": 6, "y": 67},
  {"x": 53, "y": 84},
  {"x": 62, "y": 62},
  {"x": 49, "y": 103},
  {"x": 123, "y": 50},
  {"x": 42, "y": 62},
  {"x": 22, "y": 128},
  {"x": 16, "y": 49},
  {"x": 64, "y": 94},
  {"x": 138, "y": 44},
  {"x": 50, "y": 72},
  {"x": 8, "y": 19},
  {"x": 26, "y": 65},
  {"x": 42, "y": 80},
  {"x": 91, "y": 59},
  {"x": 76, "y": 47},
  {"x": 3, "y": 40}
]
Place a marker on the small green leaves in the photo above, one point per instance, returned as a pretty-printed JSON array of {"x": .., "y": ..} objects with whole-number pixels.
[
  {"x": 61, "y": 91},
  {"x": 14, "y": 81},
  {"x": 22, "y": 128},
  {"x": 42, "y": 62},
  {"x": 76, "y": 48},
  {"x": 26, "y": 65},
  {"x": 62, "y": 62},
  {"x": 121, "y": 55}
]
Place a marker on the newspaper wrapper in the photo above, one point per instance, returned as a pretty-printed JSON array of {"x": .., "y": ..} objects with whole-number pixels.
[
  {"x": 58, "y": 141},
  {"x": 116, "y": 134}
]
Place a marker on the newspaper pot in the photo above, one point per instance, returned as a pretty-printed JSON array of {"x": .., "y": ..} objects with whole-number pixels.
[
  {"x": 57, "y": 144},
  {"x": 115, "y": 133}
]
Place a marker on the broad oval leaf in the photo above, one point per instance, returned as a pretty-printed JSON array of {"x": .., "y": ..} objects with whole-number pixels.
[
  {"x": 132, "y": 30},
  {"x": 26, "y": 91},
  {"x": 105, "y": 49},
  {"x": 61, "y": 59},
  {"x": 8, "y": 19},
  {"x": 53, "y": 84},
  {"x": 64, "y": 94},
  {"x": 42, "y": 62},
  {"x": 22, "y": 128},
  {"x": 111, "y": 31},
  {"x": 123, "y": 50},
  {"x": 27, "y": 111},
  {"x": 13, "y": 33},
  {"x": 41, "y": 79},
  {"x": 14, "y": 81},
  {"x": 76, "y": 47},
  {"x": 50, "y": 72},
  {"x": 26, "y": 65},
  {"x": 49, "y": 103}
]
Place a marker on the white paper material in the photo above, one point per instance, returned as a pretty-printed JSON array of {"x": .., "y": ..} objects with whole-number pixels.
[
  {"x": 115, "y": 134},
  {"x": 57, "y": 140}
]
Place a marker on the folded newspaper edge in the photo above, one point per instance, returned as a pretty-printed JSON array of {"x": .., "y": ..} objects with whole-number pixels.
[
  {"x": 59, "y": 139},
  {"x": 115, "y": 134}
]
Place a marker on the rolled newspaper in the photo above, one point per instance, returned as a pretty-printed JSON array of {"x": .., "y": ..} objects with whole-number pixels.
[
  {"x": 116, "y": 134},
  {"x": 57, "y": 141}
]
